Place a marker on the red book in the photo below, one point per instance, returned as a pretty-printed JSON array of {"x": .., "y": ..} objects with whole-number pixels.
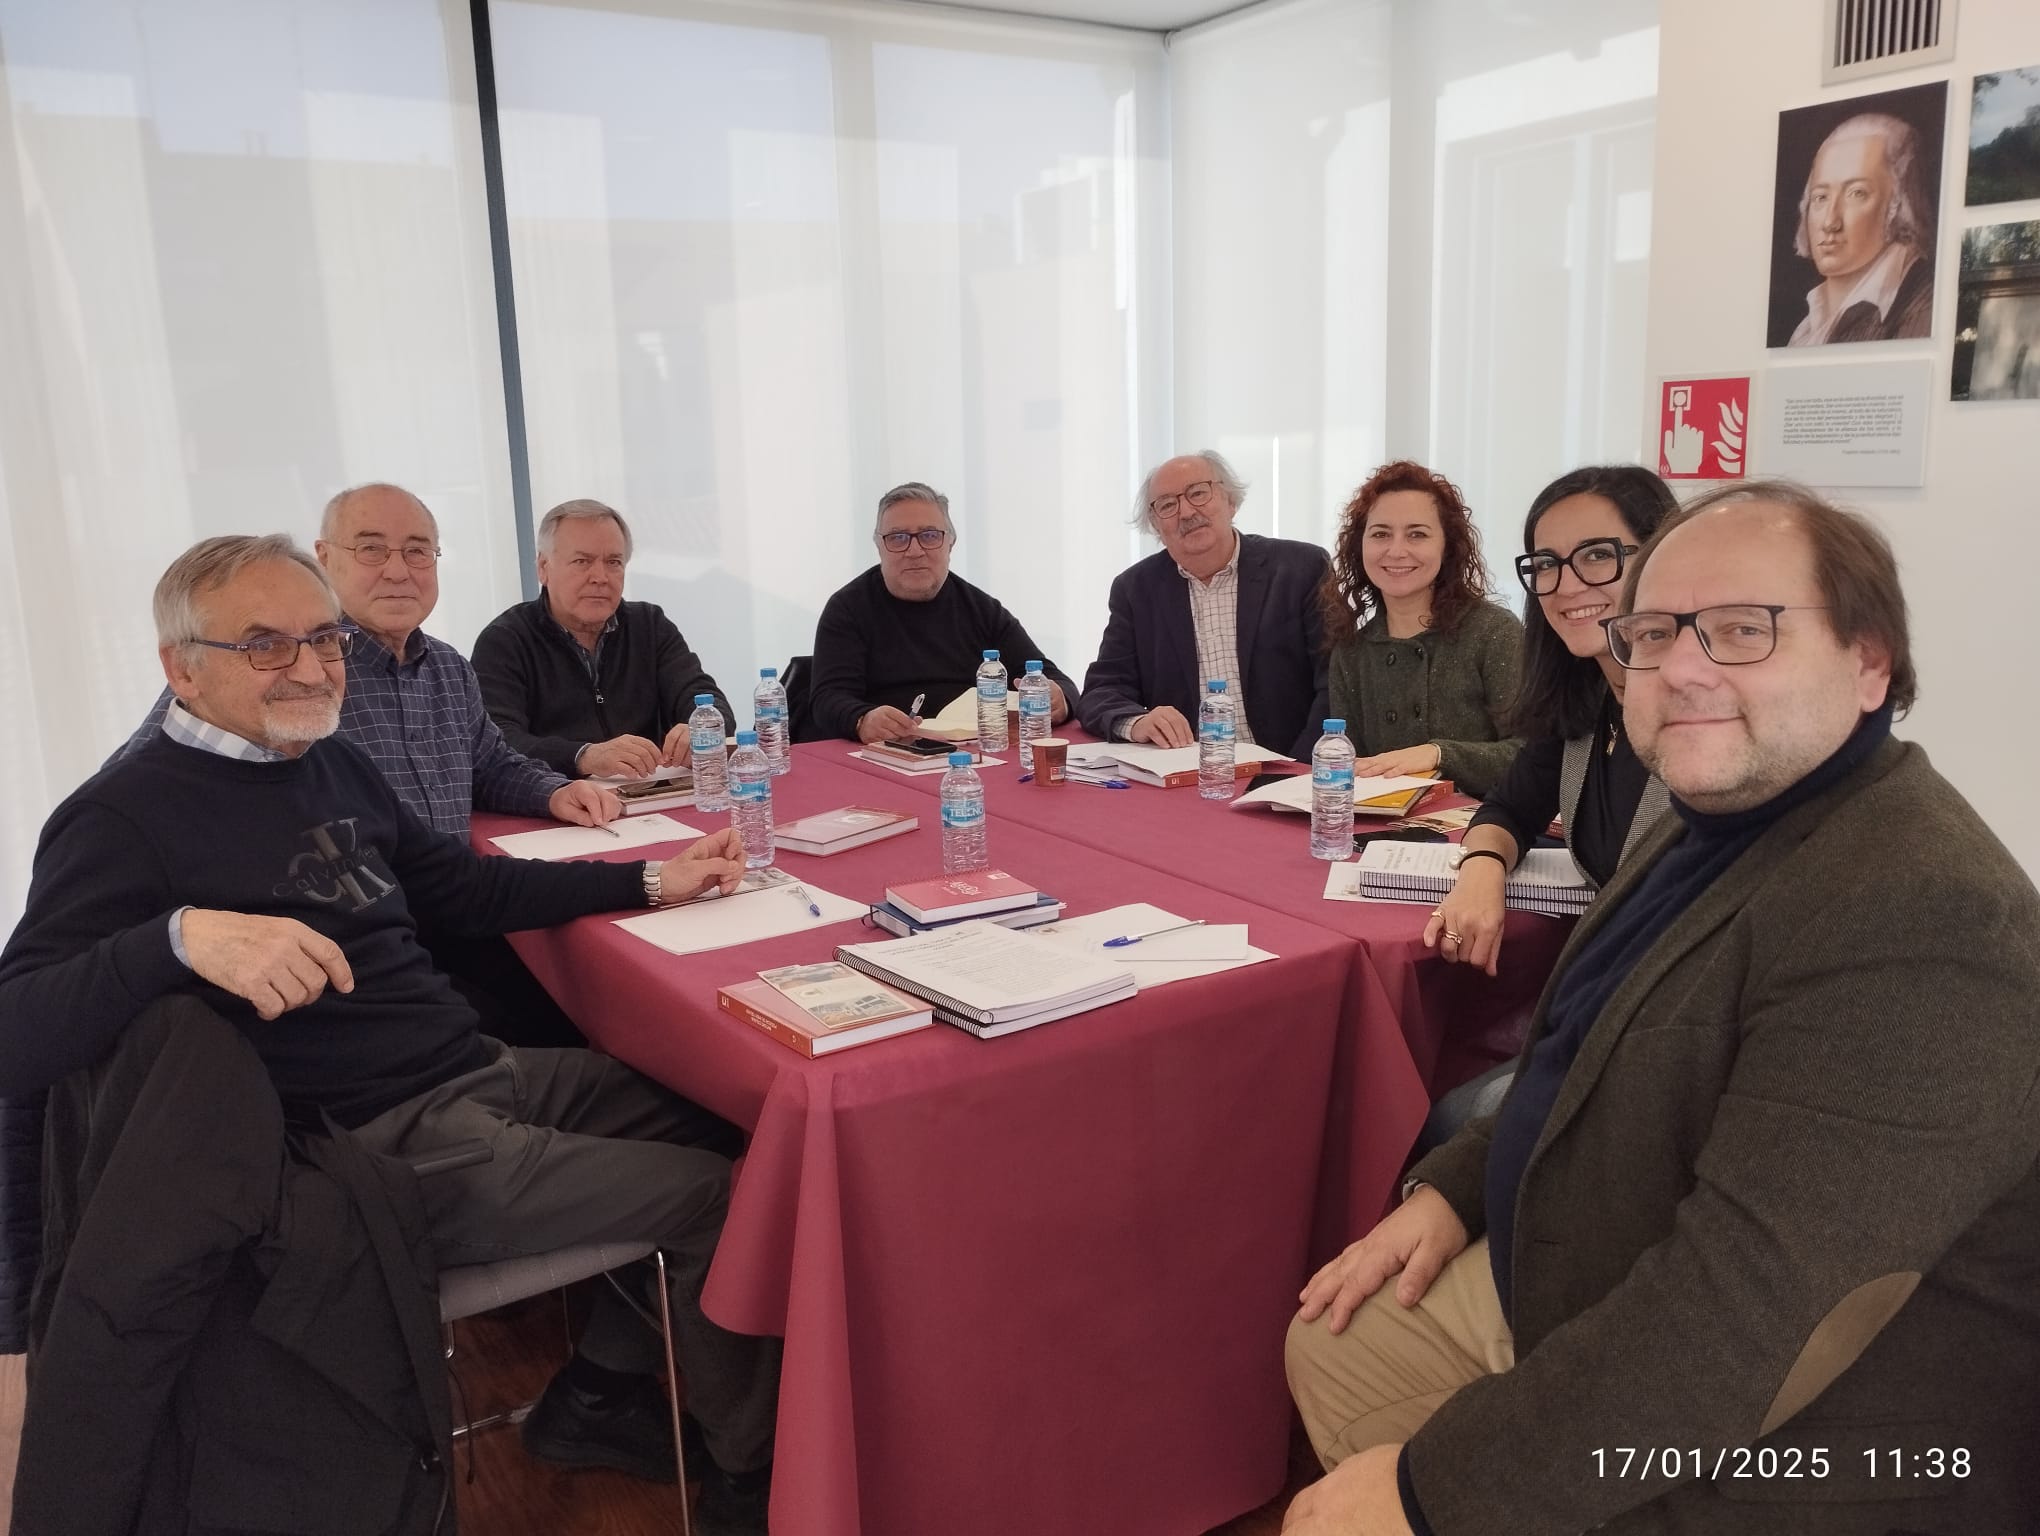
[
  {"x": 764, "y": 1006},
  {"x": 953, "y": 896}
]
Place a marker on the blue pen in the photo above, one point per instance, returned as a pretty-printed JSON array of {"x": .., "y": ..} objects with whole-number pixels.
[
  {"x": 800, "y": 893},
  {"x": 1134, "y": 938}
]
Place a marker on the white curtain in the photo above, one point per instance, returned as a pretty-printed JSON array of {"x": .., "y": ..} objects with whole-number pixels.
[
  {"x": 1412, "y": 228},
  {"x": 243, "y": 262},
  {"x": 770, "y": 260}
]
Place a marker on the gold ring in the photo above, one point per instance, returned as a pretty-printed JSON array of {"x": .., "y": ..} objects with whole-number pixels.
[{"x": 1451, "y": 935}]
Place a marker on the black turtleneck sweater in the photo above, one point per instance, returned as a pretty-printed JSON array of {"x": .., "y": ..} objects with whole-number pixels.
[
  {"x": 321, "y": 838},
  {"x": 1688, "y": 867}
]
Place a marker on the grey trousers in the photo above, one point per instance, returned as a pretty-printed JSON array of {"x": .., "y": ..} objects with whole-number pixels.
[{"x": 588, "y": 1150}]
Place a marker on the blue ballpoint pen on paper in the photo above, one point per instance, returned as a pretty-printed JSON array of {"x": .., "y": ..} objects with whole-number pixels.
[
  {"x": 800, "y": 893},
  {"x": 1134, "y": 938}
]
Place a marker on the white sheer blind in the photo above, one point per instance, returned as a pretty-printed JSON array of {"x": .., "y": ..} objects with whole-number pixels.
[
  {"x": 770, "y": 260},
  {"x": 243, "y": 262}
]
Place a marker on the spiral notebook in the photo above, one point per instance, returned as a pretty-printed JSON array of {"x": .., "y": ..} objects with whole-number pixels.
[
  {"x": 1547, "y": 880},
  {"x": 991, "y": 980}
]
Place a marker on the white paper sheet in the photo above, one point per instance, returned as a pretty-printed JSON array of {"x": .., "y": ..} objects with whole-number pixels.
[
  {"x": 1159, "y": 965},
  {"x": 574, "y": 842},
  {"x": 1293, "y": 794},
  {"x": 723, "y": 921}
]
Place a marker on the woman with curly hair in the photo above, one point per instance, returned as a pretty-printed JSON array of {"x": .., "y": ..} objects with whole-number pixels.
[{"x": 1422, "y": 663}]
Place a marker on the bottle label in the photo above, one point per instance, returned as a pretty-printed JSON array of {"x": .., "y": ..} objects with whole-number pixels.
[
  {"x": 1331, "y": 776},
  {"x": 770, "y": 711},
  {"x": 1215, "y": 730},
  {"x": 963, "y": 813},
  {"x": 1033, "y": 703},
  {"x": 704, "y": 739},
  {"x": 751, "y": 789},
  {"x": 991, "y": 688}
]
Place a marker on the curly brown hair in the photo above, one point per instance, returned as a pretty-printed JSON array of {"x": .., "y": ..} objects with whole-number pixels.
[{"x": 1350, "y": 600}]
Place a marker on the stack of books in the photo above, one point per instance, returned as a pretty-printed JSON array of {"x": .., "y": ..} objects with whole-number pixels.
[
  {"x": 1166, "y": 767},
  {"x": 817, "y": 1009},
  {"x": 1546, "y": 881},
  {"x": 990, "y": 980},
  {"x": 838, "y": 831},
  {"x": 927, "y": 905}
]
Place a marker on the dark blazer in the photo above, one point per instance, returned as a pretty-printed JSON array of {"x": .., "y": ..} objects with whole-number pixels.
[
  {"x": 1148, "y": 656},
  {"x": 539, "y": 691},
  {"x": 1787, "y": 1196}
]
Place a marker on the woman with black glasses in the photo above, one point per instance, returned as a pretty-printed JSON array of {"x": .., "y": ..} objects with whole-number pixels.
[{"x": 1575, "y": 762}]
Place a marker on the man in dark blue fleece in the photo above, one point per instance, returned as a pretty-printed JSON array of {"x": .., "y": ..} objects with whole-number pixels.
[{"x": 245, "y": 857}]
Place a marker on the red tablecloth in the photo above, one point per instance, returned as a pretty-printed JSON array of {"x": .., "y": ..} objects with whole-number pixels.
[{"x": 1037, "y": 1283}]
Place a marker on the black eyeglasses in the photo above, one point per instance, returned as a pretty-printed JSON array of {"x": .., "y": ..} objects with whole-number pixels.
[
  {"x": 273, "y": 653},
  {"x": 1197, "y": 494},
  {"x": 1732, "y": 634},
  {"x": 1595, "y": 561},
  {"x": 416, "y": 556},
  {"x": 929, "y": 538}
]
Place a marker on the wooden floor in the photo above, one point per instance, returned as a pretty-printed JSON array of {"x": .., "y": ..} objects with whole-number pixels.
[{"x": 506, "y": 1358}]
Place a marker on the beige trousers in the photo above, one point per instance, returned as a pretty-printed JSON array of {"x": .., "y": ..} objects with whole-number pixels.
[{"x": 1381, "y": 1379}]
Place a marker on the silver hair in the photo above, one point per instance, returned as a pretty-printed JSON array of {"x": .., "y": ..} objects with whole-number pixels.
[
  {"x": 1905, "y": 218},
  {"x": 912, "y": 490},
  {"x": 209, "y": 565},
  {"x": 582, "y": 509},
  {"x": 1226, "y": 476},
  {"x": 329, "y": 520}
]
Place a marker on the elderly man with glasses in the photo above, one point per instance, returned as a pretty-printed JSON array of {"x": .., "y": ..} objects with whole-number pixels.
[
  {"x": 1213, "y": 602},
  {"x": 909, "y": 630}
]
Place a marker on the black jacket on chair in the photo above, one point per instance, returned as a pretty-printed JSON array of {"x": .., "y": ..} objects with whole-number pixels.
[
  {"x": 236, "y": 1327},
  {"x": 1148, "y": 656}
]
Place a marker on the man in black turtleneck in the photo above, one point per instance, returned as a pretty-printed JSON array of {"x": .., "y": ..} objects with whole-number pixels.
[
  {"x": 907, "y": 629},
  {"x": 1751, "y": 1243}
]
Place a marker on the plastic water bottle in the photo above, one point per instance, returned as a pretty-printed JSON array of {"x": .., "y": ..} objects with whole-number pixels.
[
  {"x": 991, "y": 686},
  {"x": 1215, "y": 732},
  {"x": 963, "y": 816},
  {"x": 1331, "y": 795},
  {"x": 768, "y": 714},
  {"x": 1036, "y": 705},
  {"x": 706, "y": 750},
  {"x": 751, "y": 800}
]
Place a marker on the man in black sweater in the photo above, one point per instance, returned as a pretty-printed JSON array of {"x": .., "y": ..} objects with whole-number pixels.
[
  {"x": 581, "y": 679},
  {"x": 907, "y": 629},
  {"x": 244, "y": 858}
]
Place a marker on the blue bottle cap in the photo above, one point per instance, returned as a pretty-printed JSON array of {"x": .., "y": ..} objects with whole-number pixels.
[
  {"x": 959, "y": 759},
  {"x": 1215, "y": 685},
  {"x": 991, "y": 655},
  {"x": 1034, "y": 666},
  {"x": 747, "y": 738},
  {"x": 703, "y": 699},
  {"x": 1335, "y": 727},
  {"x": 768, "y": 671}
]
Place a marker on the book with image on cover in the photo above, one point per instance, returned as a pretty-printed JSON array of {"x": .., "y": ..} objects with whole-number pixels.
[
  {"x": 838, "y": 831},
  {"x": 817, "y": 1009},
  {"x": 975, "y": 894}
]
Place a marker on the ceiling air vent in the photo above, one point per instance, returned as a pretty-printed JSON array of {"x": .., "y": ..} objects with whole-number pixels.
[{"x": 1874, "y": 37}]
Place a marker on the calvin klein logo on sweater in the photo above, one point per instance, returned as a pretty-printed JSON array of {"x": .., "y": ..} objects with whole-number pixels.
[{"x": 337, "y": 868}]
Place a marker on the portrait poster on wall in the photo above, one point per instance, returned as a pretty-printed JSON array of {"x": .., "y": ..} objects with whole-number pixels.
[
  {"x": 1997, "y": 314},
  {"x": 2004, "y": 137},
  {"x": 1855, "y": 208}
]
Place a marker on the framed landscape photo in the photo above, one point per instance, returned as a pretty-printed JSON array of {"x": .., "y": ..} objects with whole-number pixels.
[{"x": 2004, "y": 137}]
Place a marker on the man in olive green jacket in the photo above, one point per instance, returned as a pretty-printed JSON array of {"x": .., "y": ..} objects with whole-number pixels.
[{"x": 1753, "y": 1245}]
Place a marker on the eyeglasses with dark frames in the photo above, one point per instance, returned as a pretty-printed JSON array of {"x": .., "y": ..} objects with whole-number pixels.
[
  {"x": 1732, "y": 634},
  {"x": 1596, "y": 562},
  {"x": 274, "y": 653},
  {"x": 417, "y": 556},
  {"x": 1197, "y": 493},
  {"x": 929, "y": 538}
]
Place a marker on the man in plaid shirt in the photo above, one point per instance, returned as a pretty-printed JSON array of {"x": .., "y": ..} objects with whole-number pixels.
[{"x": 412, "y": 704}]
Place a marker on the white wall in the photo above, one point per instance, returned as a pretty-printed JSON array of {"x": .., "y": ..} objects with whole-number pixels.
[{"x": 1968, "y": 542}]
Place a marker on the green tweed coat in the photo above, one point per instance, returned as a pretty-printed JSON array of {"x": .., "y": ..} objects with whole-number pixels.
[{"x": 1787, "y": 1200}]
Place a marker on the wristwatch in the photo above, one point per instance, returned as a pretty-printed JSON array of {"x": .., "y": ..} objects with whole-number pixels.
[{"x": 655, "y": 889}]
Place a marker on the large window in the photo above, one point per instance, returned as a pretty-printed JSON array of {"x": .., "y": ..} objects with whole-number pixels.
[
  {"x": 243, "y": 262},
  {"x": 769, "y": 261}
]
